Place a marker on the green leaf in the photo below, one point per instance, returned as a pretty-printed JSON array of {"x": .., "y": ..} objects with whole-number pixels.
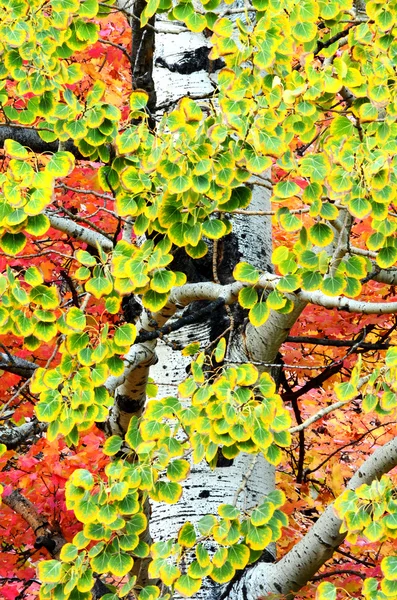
[
  {"x": 138, "y": 99},
  {"x": 178, "y": 470},
  {"x": 259, "y": 314},
  {"x": 69, "y": 553},
  {"x": 187, "y": 586},
  {"x": 206, "y": 523},
  {"x": 85, "y": 258},
  {"x": 273, "y": 455},
  {"x": 387, "y": 257},
  {"x": 187, "y": 535},
  {"x": 99, "y": 286},
  {"x": 248, "y": 297},
  {"x": 359, "y": 207},
  {"x": 262, "y": 514},
  {"x": 341, "y": 127},
  {"x": 356, "y": 266},
  {"x": 223, "y": 27},
  {"x": 334, "y": 286},
  {"x": 321, "y": 234},
  {"x": 286, "y": 189},
  {"x": 86, "y": 510},
  {"x": 112, "y": 445},
  {"x": 391, "y": 357},
  {"x": 15, "y": 150},
  {"x": 50, "y": 571},
  {"x": 289, "y": 283},
  {"x": 304, "y": 31},
  {"x": 162, "y": 281},
  {"x": 246, "y": 272},
  {"x": 258, "y": 537},
  {"x": 345, "y": 391},
  {"x": 60, "y": 164},
  {"x": 213, "y": 229},
  {"x": 154, "y": 301},
  {"x": 125, "y": 334},
  {"x": 314, "y": 166},
  {"x": 326, "y": 591},
  {"x": 75, "y": 318},
  {"x": 238, "y": 556},
  {"x": 228, "y": 511},
  {"x": 196, "y": 22},
  {"x": 49, "y": 407},
  {"x": 100, "y": 562},
  {"x": 44, "y": 296},
  {"x": 120, "y": 564},
  {"x": 223, "y": 574},
  {"x": 311, "y": 280},
  {"x": 169, "y": 492},
  {"x": 12, "y": 243}
]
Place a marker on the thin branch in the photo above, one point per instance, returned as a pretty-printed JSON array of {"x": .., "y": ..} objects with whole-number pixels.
[
  {"x": 84, "y": 220},
  {"x": 335, "y": 38},
  {"x": 357, "y": 560},
  {"x": 118, "y": 46},
  {"x": 84, "y": 191},
  {"x": 245, "y": 479},
  {"x": 328, "y": 574},
  {"x": 353, "y": 443},
  {"x": 337, "y": 343},
  {"x": 327, "y": 409}
]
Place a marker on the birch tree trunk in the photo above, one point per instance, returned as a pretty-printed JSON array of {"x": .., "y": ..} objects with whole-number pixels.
[{"x": 180, "y": 63}]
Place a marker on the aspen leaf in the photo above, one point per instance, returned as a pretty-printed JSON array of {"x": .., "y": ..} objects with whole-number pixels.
[
  {"x": 50, "y": 571},
  {"x": 15, "y": 149},
  {"x": 246, "y": 272},
  {"x": 345, "y": 391},
  {"x": 68, "y": 553},
  {"x": 120, "y": 563},
  {"x": 60, "y": 164},
  {"x": 75, "y": 318},
  {"x": 248, "y": 297},
  {"x": 187, "y": 535},
  {"x": 187, "y": 586},
  {"x": 321, "y": 234},
  {"x": 138, "y": 99},
  {"x": 326, "y": 591}
]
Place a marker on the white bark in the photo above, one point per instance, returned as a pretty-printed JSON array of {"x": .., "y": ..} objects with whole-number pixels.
[
  {"x": 78, "y": 232},
  {"x": 204, "y": 489},
  {"x": 211, "y": 291}
]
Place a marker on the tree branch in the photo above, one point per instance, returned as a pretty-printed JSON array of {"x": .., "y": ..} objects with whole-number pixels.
[
  {"x": 46, "y": 536},
  {"x": 16, "y": 365},
  {"x": 29, "y": 137},
  {"x": 211, "y": 291},
  {"x": 301, "y": 563},
  {"x": 12, "y": 437},
  {"x": 78, "y": 232},
  {"x": 337, "y": 343}
]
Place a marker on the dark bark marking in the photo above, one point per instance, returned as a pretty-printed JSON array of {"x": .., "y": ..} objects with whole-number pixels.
[{"x": 191, "y": 61}]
